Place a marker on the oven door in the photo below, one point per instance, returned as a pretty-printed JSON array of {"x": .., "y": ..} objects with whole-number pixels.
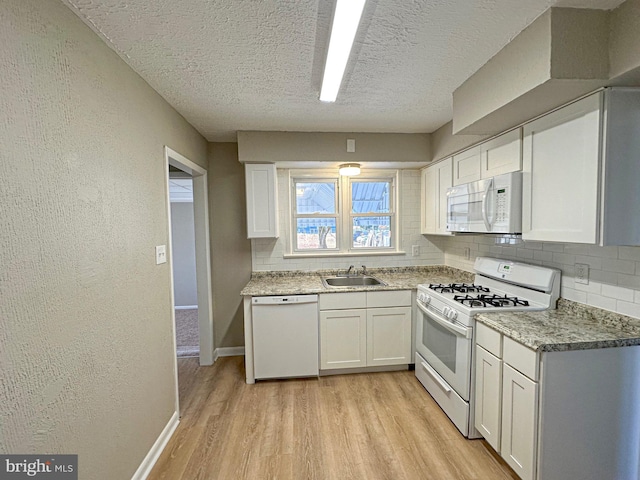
[{"x": 446, "y": 347}]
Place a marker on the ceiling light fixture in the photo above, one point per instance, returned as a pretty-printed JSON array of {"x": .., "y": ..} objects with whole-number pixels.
[
  {"x": 346, "y": 19},
  {"x": 349, "y": 169}
]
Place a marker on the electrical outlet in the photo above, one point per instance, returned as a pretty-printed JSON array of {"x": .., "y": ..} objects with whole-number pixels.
[
  {"x": 415, "y": 250},
  {"x": 582, "y": 273}
]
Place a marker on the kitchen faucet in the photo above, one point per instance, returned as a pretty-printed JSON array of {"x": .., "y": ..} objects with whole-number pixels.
[
  {"x": 364, "y": 269},
  {"x": 349, "y": 270}
]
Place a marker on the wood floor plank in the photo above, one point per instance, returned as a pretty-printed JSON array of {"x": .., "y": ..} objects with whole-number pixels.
[{"x": 343, "y": 427}]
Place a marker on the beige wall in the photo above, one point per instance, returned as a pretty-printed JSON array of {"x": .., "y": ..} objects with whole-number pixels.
[
  {"x": 562, "y": 55},
  {"x": 183, "y": 249},
  {"x": 624, "y": 40},
  {"x": 230, "y": 248},
  {"x": 444, "y": 143},
  {"x": 85, "y": 314},
  {"x": 271, "y": 147}
]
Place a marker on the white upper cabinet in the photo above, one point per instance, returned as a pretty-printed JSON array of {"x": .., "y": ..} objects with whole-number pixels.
[
  {"x": 581, "y": 171},
  {"x": 502, "y": 155},
  {"x": 435, "y": 181},
  {"x": 262, "y": 200},
  {"x": 497, "y": 156},
  {"x": 466, "y": 166}
]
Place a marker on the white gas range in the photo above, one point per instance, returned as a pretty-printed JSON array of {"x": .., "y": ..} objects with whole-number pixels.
[{"x": 445, "y": 327}]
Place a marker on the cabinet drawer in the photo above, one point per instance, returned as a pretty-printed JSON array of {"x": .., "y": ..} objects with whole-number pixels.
[
  {"x": 489, "y": 339},
  {"x": 340, "y": 301},
  {"x": 393, "y": 298},
  {"x": 521, "y": 358}
]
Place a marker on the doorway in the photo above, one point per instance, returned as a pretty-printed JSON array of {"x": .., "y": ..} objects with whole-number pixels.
[{"x": 198, "y": 176}]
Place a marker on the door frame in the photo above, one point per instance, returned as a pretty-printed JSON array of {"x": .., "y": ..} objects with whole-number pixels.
[{"x": 203, "y": 256}]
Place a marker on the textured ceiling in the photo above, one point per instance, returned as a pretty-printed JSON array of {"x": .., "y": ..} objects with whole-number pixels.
[{"x": 257, "y": 65}]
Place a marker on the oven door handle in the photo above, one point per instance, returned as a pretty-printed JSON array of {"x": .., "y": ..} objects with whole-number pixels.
[
  {"x": 461, "y": 331},
  {"x": 436, "y": 378}
]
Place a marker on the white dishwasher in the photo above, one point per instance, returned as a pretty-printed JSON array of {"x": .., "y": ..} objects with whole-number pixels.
[{"x": 285, "y": 336}]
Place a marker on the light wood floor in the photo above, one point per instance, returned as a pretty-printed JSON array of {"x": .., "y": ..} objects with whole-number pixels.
[{"x": 365, "y": 426}]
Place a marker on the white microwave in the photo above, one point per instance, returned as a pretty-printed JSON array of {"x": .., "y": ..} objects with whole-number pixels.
[{"x": 492, "y": 205}]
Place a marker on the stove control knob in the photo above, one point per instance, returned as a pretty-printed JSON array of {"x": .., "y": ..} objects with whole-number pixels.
[
  {"x": 445, "y": 311},
  {"x": 451, "y": 314},
  {"x": 424, "y": 298}
]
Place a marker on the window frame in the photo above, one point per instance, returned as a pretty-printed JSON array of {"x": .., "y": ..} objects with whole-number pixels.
[{"x": 344, "y": 212}]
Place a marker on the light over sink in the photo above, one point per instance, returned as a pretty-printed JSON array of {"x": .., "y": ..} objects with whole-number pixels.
[{"x": 351, "y": 281}]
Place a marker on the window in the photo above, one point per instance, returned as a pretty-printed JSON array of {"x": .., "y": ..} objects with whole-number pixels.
[{"x": 341, "y": 215}]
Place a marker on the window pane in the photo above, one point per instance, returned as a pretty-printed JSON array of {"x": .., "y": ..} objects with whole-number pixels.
[
  {"x": 371, "y": 232},
  {"x": 315, "y": 233},
  {"x": 370, "y": 197},
  {"x": 315, "y": 197}
]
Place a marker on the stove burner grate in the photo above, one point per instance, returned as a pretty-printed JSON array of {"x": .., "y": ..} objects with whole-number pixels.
[{"x": 492, "y": 300}]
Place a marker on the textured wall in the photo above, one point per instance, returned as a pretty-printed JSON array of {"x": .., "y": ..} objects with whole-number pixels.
[
  {"x": 183, "y": 249},
  {"x": 85, "y": 314},
  {"x": 624, "y": 39},
  {"x": 230, "y": 249},
  {"x": 614, "y": 272},
  {"x": 332, "y": 147},
  {"x": 268, "y": 253}
]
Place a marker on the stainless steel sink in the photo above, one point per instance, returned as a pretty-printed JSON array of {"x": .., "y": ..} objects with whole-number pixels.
[{"x": 352, "y": 281}]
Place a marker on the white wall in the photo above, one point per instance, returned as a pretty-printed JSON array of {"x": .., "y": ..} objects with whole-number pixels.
[
  {"x": 267, "y": 254},
  {"x": 614, "y": 282},
  {"x": 86, "y": 347},
  {"x": 183, "y": 246}
]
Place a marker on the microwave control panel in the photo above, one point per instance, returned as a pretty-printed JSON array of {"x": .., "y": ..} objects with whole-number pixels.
[{"x": 502, "y": 204}]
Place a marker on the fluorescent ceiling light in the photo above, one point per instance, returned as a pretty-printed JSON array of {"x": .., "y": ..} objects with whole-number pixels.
[
  {"x": 345, "y": 25},
  {"x": 349, "y": 169}
]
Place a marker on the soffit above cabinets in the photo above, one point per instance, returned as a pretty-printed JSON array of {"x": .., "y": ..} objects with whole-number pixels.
[{"x": 246, "y": 65}]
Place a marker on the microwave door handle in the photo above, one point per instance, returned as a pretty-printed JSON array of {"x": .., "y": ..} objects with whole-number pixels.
[{"x": 485, "y": 205}]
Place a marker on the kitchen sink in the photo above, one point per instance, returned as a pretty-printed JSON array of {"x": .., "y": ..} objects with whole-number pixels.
[{"x": 351, "y": 281}]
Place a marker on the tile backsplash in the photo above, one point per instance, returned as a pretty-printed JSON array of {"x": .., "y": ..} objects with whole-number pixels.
[
  {"x": 268, "y": 253},
  {"x": 614, "y": 272}
]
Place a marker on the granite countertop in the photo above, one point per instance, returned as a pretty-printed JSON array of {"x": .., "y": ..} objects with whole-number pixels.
[
  {"x": 401, "y": 278},
  {"x": 573, "y": 326}
]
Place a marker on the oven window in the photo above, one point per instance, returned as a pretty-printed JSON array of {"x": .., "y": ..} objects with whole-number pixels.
[{"x": 440, "y": 342}]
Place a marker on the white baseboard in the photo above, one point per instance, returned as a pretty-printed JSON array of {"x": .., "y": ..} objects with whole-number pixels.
[
  {"x": 152, "y": 457},
  {"x": 186, "y": 307},
  {"x": 229, "y": 351}
]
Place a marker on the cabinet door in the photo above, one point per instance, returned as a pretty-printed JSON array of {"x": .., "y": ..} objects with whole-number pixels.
[
  {"x": 389, "y": 336},
  {"x": 466, "y": 166},
  {"x": 343, "y": 339},
  {"x": 561, "y": 161},
  {"x": 435, "y": 181},
  {"x": 502, "y": 155},
  {"x": 262, "y": 200},
  {"x": 488, "y": 396},
  {"x": 444, "y": 180},
  {"x": 429, "y": 203},
  {"x": 519, "y": 422}
]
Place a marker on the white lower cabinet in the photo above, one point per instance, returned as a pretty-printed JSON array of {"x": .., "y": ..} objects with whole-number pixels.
[
  {"x": 519, "y": 422},
  {"x": 506, "y": 408},
  {"x": 559, "y": 414},
  {"x": 488, "y": 407},
  {"x": 343, "y": 339},
  {"x": 373, "y": 334},
  {"x": 389, "y": 336}
]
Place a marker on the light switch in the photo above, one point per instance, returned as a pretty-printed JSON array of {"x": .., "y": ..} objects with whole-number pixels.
[
  {"x": 351, "y": 145},
  {"x": 161, "y": 254}
]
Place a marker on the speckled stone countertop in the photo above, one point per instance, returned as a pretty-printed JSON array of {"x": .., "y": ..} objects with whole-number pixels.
[
  {"x": 573, "y": 326},
  {"x": 401, "y": 278}
]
